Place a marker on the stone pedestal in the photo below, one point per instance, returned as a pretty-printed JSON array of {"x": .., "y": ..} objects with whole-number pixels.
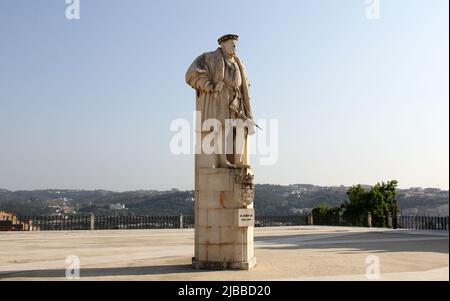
[
  {"x": 310, "y": 219},
  {"x": 92, "y": 221},
  {"x": 224, "y": 219},
  {"x": 369, "y": 220},
  {"x": 390, "y": 221}
]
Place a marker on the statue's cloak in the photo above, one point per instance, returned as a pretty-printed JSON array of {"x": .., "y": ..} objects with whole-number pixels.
[{"x": 203, "y": 74}]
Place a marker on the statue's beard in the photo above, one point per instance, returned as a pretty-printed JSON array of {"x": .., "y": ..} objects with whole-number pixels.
[{"x": 231, "y": 53}]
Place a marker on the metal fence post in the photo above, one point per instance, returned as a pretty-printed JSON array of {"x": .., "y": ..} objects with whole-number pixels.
[
  {"x": 92, "y": 220},
  {"x": 181, "y": 221}
]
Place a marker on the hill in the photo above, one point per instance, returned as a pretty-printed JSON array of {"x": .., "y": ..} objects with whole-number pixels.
[{"x": 269, "y": 200}]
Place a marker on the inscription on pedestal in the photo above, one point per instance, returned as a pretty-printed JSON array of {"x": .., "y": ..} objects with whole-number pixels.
[{"x": 245, "y": 217}]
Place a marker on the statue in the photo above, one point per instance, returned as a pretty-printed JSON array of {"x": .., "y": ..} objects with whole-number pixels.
[
  {"x": 222, "y": 93},
  {"x": 224, "y": 189}
]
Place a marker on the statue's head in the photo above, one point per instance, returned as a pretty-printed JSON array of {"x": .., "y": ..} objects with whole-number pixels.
[{"x": 228, "y": 44}]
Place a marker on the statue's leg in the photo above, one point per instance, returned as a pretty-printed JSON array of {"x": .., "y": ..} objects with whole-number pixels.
[
  {"x": 245, "y": 155},
  {"x": 203, "y": 160},
  {"x": 227, "y": 148},
  {"x": 241, "y": 147}
]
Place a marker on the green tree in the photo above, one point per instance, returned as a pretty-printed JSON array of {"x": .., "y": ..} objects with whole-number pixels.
[
  {"x": 357, "y": 201},
  {"x": 325, "y": 210},
  {"x": 382, "y": 198},
  {"x": 379, "y": 201}
]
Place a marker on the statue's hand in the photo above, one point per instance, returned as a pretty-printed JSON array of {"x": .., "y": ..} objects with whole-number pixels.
[{"x": 219, "y": 86}]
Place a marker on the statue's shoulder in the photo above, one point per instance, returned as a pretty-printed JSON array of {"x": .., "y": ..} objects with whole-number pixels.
[
  {"x": 215, "y": 53},
  {"x": 213, "y": 56},
  {"x": 208, "y": 57},
  {"x": 208, "y": 61}
]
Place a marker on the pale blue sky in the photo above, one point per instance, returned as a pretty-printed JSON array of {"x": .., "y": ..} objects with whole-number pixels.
[{"x": 87, "y": 104}]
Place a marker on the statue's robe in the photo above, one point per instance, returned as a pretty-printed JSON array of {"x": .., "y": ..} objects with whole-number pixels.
[{"x": 203, "y": 74}]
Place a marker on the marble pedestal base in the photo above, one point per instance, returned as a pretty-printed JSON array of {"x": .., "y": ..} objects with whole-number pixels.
[
  {"x": 223, "y": 239},
  {"x": 218, "y": 265}
]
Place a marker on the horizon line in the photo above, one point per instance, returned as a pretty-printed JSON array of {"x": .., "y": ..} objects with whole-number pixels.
[{"x": 179, "y": 189}]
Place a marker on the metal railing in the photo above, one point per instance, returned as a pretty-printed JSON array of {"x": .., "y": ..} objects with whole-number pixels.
[
  {"x": 136, "y": 222},
  {"x": 91, "y": 222},
  {"x": 340, "y": 220},
  {"x": 423, "y": 222},
  {"x": 279, "y": 221},
  {"x": 44, "y": 223}
]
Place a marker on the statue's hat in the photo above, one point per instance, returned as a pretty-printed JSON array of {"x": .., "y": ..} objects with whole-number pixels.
[{"x": 227, "y": 37}]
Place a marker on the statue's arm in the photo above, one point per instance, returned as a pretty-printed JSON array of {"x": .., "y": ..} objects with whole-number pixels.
[{"x": 198, "y": 76}]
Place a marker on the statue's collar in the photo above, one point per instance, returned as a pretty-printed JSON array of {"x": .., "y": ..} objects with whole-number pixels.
[{"x": 225, "y": 58}]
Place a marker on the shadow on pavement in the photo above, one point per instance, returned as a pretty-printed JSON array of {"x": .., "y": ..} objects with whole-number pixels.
[
  {"x": 373, "y": 242},
  {"x": 105, "y": 272}
]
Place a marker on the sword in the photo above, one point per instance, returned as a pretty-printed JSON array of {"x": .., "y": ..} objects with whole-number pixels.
[
  {"x": 234, "y": 109},
  {"x": 240, "y": 114}
]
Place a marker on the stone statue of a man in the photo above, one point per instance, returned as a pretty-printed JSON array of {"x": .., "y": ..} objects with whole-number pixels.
[{"x": 222, "y": 87}]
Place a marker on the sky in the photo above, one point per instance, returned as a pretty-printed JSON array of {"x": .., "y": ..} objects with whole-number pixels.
[{"x": 88, "y": 103}]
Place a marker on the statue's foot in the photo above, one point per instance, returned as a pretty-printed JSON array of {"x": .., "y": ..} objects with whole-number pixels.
[{"x": 227, "y": 164}]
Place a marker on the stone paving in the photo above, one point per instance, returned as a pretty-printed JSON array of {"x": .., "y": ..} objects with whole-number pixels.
[{"x": 285, "y": 253}]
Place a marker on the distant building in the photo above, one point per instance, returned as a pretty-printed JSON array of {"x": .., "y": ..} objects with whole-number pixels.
[
  {"x": 6, "y": 215},
  {"x": 10, "y": 222},
  {"x": 117, "y": 206}
]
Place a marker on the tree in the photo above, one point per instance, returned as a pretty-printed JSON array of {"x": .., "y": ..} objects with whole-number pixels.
[
  {"x": 379, "y": 201},
  {"x": 382, "y": 197},
  {"x": 357, "y": 201},
  {"x": 325, "y": 210}
]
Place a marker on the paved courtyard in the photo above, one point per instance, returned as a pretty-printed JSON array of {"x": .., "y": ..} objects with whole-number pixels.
[{"x": 286, "y": 253}]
